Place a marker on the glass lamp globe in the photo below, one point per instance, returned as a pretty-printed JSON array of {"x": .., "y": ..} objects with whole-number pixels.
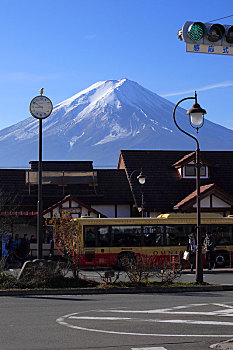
[
  {"x": 196, "y": 118},
  {"x": 141, "y": 179},
  {"x": 196, "y": 115}
]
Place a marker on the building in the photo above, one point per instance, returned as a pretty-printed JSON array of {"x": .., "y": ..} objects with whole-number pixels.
[
  {"x": 77, "y": 187},
  {"x": 171, "y": 180}
]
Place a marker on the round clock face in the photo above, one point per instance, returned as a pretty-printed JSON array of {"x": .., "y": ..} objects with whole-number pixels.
[{"x": 41, "y": 107}]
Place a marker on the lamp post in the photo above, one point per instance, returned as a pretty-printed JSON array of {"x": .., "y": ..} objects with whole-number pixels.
[
  {"x": 196, "y": 118},
  {"x": 141, "y": 179},
  {"x": 40, "y": 107}
]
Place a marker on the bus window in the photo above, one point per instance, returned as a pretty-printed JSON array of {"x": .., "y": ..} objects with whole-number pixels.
[
  {"x": 222, "y": 233},
  {"x": 177, "y": 235},
  {"x": 103, "y": 236},
  {"x": 126, "y": 236},
  {"x": 153, "y": 236},
  {"x": 89, "y": 236}
]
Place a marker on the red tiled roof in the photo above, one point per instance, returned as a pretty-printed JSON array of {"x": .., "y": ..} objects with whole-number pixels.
[
  {"x": 164, "y": 188},
  {"x": 204, "y": 191},
  {"x": 186, "y": 159}
]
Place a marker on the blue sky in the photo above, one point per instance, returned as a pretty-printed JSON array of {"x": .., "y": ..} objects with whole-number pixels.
[{"x": 67, "y": 45}]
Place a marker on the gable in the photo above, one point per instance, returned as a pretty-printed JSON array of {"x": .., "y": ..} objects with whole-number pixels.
[
  {"x": 73, "y": 206},
  {"x": 213, "y": 201},
  {"x": 211, "y": 197}
]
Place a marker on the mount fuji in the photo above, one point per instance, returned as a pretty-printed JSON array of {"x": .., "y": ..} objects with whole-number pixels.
[{"x": 96, "y": 123}]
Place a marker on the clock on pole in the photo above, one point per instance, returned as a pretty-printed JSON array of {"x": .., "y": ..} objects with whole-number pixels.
[{"x": 40, "y": 107}]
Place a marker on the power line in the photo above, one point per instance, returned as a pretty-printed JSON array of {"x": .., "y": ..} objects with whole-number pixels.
[{"x": 217, "y": 19}]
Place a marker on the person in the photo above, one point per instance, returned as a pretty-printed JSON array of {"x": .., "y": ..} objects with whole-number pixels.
[
  {"x": 191, "y": 248},
  {"x": 51, "y": 250},
  {"x": 25, "y": 247},
  {"x": 17, "y": 244},
  {"x": 10, "y": 249},
  {"x": 209, "y": 244},
  {"x": 32, "y": 239}
]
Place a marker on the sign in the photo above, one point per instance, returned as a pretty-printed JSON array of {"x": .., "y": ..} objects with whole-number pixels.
[
  {"x": 210, "y": 49},
  {"x": 76, "y": 210}
]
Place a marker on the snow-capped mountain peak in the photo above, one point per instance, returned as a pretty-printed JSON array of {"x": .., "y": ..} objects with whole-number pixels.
[{"x": 100, "y": 120}]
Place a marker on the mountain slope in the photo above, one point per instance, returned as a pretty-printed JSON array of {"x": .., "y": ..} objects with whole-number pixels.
[{"x": 102, "y": 119}]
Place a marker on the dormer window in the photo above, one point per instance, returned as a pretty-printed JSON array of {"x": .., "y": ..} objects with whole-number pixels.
[{"x": 189, "y": 171}]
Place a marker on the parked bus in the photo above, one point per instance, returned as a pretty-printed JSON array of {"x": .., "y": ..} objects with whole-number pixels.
[{"x": 112, "y": 241}]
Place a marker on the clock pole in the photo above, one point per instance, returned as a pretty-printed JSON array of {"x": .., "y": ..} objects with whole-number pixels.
[
  {"x": 39, "y": 203},
  {"x": 40, "y": 108}
]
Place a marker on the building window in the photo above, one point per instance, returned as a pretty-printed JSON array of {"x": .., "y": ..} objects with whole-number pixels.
[{"x": 189, "y": 170}]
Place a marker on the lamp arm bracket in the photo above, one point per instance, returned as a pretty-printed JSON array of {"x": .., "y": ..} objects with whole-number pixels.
[{"x": 174, "y": 118}]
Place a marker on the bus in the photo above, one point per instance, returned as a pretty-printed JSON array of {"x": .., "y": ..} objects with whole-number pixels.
[{"x": 112, "y": 242}]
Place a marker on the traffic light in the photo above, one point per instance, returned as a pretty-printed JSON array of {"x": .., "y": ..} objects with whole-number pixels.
[{"x": 206, "y": 33}]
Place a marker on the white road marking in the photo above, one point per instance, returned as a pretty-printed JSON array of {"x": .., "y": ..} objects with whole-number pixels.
[
  {"x": 60, "y": 320},
  {"x": 101, "y": 318},
  {"x": 209, "y": 313},
  {"x": 171, "y": 311},
  {"x": 224, "y": 305},
  {"x": 215, "y": 323},
  {"x": 64, "y": 320},
  {"x": 157, "y": 348}
]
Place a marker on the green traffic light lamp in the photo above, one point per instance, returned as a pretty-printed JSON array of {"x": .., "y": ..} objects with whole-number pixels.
[{"x": 196, "y": 31}]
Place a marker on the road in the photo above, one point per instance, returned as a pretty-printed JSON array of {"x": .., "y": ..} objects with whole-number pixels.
[{"x": 142, "y": 321}]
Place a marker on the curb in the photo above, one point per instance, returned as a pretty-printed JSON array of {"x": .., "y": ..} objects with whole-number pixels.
[
  {"x": 226, "y": 345},
  {"x": 206, "y": 272},
  {"x": 115, "y": 290}
]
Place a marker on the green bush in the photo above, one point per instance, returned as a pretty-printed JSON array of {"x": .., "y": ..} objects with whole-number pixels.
[{"x": 58, "y": 281}]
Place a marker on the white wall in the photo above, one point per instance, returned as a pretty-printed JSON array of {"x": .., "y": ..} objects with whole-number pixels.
[
  {"x": 216, "y": 203},
  {"x": 123, "y": 211},
  {"x": 108, "y": 210},
  {"x": 154, "y": 214},
  {"x": 205, "y": 203},
  {"x": 219, "y": 203}
]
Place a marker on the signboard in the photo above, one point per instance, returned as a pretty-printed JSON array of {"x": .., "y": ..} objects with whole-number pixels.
[
  {"x": 71, "y": 210},
  {"x": 5, "y": 240},
  {"x": 210, "y": 49}
]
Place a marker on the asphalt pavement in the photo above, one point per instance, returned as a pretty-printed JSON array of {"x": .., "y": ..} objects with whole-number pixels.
[
  {"x": 192, "y": 321},
  {"x": 26, "y": 312}
]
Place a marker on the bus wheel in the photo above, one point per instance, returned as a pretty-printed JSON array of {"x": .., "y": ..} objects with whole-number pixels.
[
  {"x": 126, "y": 260},
  {"x": 221, "y": 259}
]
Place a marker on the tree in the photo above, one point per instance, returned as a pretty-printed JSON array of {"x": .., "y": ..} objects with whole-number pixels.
[{"x": 67, "y": 236}]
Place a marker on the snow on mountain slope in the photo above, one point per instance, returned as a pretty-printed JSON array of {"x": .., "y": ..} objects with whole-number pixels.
[{"x": 97, "y": 122}]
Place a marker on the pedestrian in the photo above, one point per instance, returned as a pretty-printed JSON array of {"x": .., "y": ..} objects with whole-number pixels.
[
  {"x": 10, "y": 249},
  {"x": 17, "y": 244},
  {"x": 191, "y": 248},
  {"x": 32, "y": 239},
  {"x": 51, "y": 250},
  {"x": 25, "y": 247},
  {"x": 209, "y": 244}
]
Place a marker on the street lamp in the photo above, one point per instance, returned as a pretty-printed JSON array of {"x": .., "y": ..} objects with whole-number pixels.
[
  {"x": 141, "y": 179},
  {"x": 196, "y": 118}
]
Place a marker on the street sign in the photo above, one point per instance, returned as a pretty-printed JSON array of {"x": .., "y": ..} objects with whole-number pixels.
[{"x": 210, "y": 49}]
